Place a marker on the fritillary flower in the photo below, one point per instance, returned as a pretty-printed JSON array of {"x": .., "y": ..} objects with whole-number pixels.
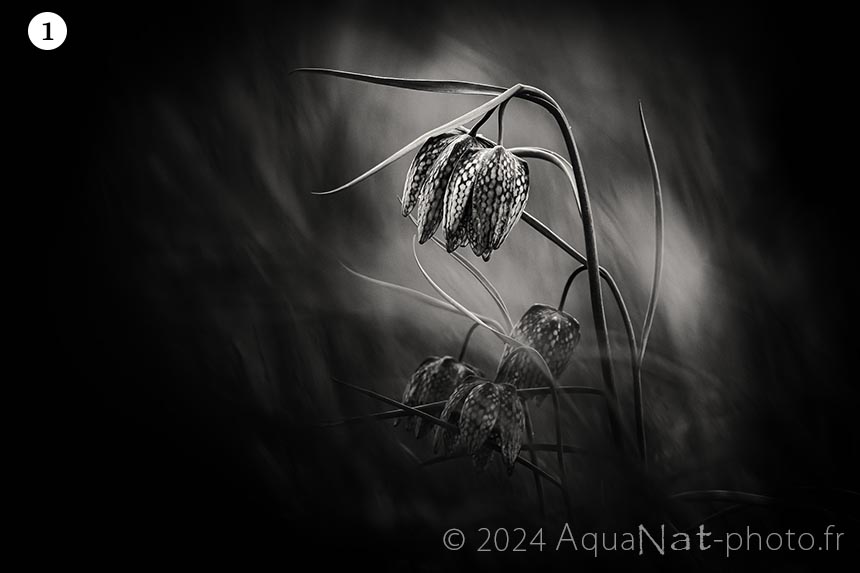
[
  {"x": 433, "y": 381},
  {"x": 484, "y": 411},
  {"x": 486, "y": 196},
  {"x": 478, "y": 188},
  {"x": 553, "y": 333}
]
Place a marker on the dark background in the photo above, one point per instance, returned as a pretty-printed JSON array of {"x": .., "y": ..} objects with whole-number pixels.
[{"x": 183, "y": 307}]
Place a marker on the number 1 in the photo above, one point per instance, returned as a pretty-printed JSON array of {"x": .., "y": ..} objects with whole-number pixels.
[{"x": 48, "y": 31}]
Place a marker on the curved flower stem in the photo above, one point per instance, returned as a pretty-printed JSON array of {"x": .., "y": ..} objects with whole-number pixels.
[
  {"x": 485, "y": 282},
  {"x": 636, "y": 366},
  {"x": 530, "y": 438},
  {"x": 466, "y": 341},
  {"x": 426, "y": 298},
  {"x": 475, "y": 272},
  {"x": 591, "y": 252},
  {"x": 569, "y": 282},
  {"x": 501, "y": 117},
  {"x": 541, "y": 228},
  {"x": 550, "y": 156},
  {"x": 465, "y": 311},
  {"x": 474, "y": 131}
]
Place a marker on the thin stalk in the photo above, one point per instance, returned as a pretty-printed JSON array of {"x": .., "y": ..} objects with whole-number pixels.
[
  {"x": 474, "y": 131},
  {"x": 501, "y": 116},
  {"x": 530, "y": 438},
  {"x": 569, "y": 282},
  {"x": 439, "y": 422},
  {"x": 559, "y": 437},
  {"x": 475, "y": 272},
  {"x": 541, "y": 228},
  {"x": 591, "y": 251},
  {"x": 554, "y": 158},
  {"x": 485, "y": 282},
  {"x": 466, "y": 342},
  {"x": 635, "y": 365},
  {"x": 451, "y": 300},
  {"x": 426, "y": 298}
]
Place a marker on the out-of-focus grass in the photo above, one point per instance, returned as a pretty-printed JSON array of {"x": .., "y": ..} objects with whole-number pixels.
[{"x": 235, "y": 266}]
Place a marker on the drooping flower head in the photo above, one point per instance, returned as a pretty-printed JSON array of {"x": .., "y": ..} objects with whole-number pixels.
[
  {"x": 553, "y": 333},
  {"x": 478, "y": 188},
  {"x": 434, "y": 380},
  {"x": 486, "y": 197},
  {"x": 485, "y": 413}
]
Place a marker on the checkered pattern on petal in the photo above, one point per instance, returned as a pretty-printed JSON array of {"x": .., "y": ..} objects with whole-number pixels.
[
  {"x": 420, "y": 167},
  {"x": 414, "y": 386},
  {"x": 433, "y": 381},
  {"x": 499, "y": 195},
  {"x": 511, "y": 425},
  {"x": 519, "y": 194},
  {"x": 554, "y": 334},
  {"x": 432, "y": 193},
  {"x": 458, "y": 198},
  {"x": 451, "y": 413},
  {"x": 478, "y": 416}
]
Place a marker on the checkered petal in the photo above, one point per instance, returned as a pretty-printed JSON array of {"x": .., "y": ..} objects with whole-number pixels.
[
  {"x": 554, "y": 334},
  {"x": 458, "y": 198},
  {"x": 416, "y": 382},
  {"x": 516, "y": 203},
  {"x": 433, "y": 381},
  {"x": 451, "y": 413},
  {"x": 421, "y": 165},
  {"x": 478, "y": 417},
  {"x": 511, "y": 425},
  {"x": 499, "y": 195},
  {"x": 432, "y": 194}
]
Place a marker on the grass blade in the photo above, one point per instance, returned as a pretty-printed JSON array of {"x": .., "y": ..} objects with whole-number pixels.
[
  {"x": 437, "y": 86},
  {"x": 658, "y": 258},
  {"x": 456, "y": 122}
]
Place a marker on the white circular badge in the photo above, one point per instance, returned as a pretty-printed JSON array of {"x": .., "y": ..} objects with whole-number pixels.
[{"x": 47, "y": 31}]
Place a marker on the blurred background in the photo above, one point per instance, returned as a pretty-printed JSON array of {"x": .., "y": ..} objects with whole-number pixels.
[{"x": 205, "y": 308}]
